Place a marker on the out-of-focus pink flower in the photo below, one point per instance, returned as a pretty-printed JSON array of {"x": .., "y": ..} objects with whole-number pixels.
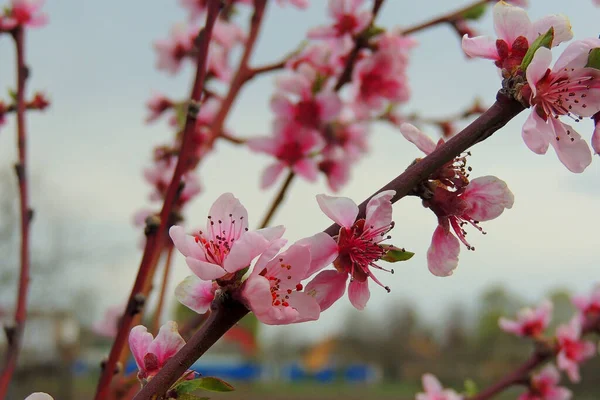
[
  {"x": 381, "y": 76},
  {"x": 151, "y": 353},
  {"x": 23, "y": 13},
  {"x": 297, "y": 3},
  {"x": 515, "y": 34},
  {"x": 160, "y": 175},
  {"x": 569, "y": 89},
  {"x": 109, "y": 325},
  {"x": 3, "y": 111},
  {"x": 39, "y": 102},
  {"x": 596, "y": 135},
  {"x": 544, "y": 386},
  {"x": 274, "y": 290},
  {"x": 358, "y": 248},
  {"x": 530, "y": 322},
  {"x": 572, "y": 350},
  {"x": 588, "y": 305},
  {"x": 312, "y": 109},
  {"x": 172, "y": 51},
  {"x": 196, "y": 294},
  {"x": 292, "y": 145},
  {"x": 336, "y": 167},
  {"x": 157, "y": 105},
  {"x": 456, "y": 201},
  {"x": 39, "y": 396},
  {"x": 435, "y": 391},
  {"x": 326, "y": 57},
  {"x": 226, "y": 246},
  {"x": 349, "y": 20}
]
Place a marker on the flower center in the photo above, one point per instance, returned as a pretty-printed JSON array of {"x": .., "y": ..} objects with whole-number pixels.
[
  {"x": 346, "y": 24},
  {"x": 307, "y": 113},
  {"x": 223, "y": 237},
  {"x": 510, "y": 57}
]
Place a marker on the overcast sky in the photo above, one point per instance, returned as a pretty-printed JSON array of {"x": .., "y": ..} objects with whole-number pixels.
[{"x": 96, "y": 62}]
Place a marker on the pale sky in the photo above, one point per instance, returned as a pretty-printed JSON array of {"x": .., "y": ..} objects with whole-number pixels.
[{"x": 96, "y": 62}]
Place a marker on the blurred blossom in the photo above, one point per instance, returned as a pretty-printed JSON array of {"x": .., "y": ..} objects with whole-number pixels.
[
  {"x": 108, "y": 326},
  {"x": 572, "y": 350},
  {"x": 588, "y": 305},
  {"x": 349, "y": 20},
  {"x": 544, "y": 386},
  {"x": 435, "y": 391},
  {"x": 530, "y": 322},
  {"x": 23, "y": 13},
  {"x": 39, "y": 396}
]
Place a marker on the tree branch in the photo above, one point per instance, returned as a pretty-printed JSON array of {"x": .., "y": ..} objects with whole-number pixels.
[
  {"x": 278, "y": 200},
  {"x": 447, "y": 18}
]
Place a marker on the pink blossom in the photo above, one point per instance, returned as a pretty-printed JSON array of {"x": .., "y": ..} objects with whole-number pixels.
[
  {"x": 588, "y": 305},
  {"x": 39, "y": 396},
  {"x": 296, "y": 3},
  {"x": 3, "y": 111},
  {"x": 336, "y": 167},
  {"x": 109, "y": 325},
  {"x": 196, "y": 294},
  {"x": 274, "y": 290},
  {"x": 312, "y": 109},
  {"x": 349, "y": 20},
  {"x": 151, "y": 353},
  {"x": 157, "y": 105},
  {"x": 327, "y": 58},
  {"x": 456, "y": 201},
  {"x": 381, "y": 76},
  {"x": 595, "y": 136},
  {"x": 435, "y": 391},
  {"x": 160, "y": 176},
  {"x": 358, "y": 248},
  {"x": 530, "y": 322},
  {"x": 226, "y": 246},
  {"x": 24, "y": 13},
  {"x": 515, "y": 34},
  {"x": 572, "y": 350},
  {"x": 544, "y": 386},
  {"x": 172, "y": 51},
  {"x": 293, "y": 146},
  {"x": 569, "y": 89}
]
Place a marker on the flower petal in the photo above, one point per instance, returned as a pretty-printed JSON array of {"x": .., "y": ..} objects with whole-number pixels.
[
  {"x": 431, "y": 384},
  {"x": 379, "y": 210},
  {"x": 268, "y": 255},
  {"x": 185, "y": 243},
  {"x": 561, "y": 25},
  {"x": 167, "y": 343},
  {"x": 323, "y": 250},
  {"x": 571, "y": 149},
  {"x": 307, "y": 307},
  {"x": 39, "y": 396},
  {"x": 244, "y": 250},
  {"x": 226, "y": 209},
  {"x": 538, "y": 67},
  {"x": 327, "y": 287},
  {"x": 487, "y": 197},
  {"x": 195, "y": 294},
  {"x": 139, "y": 343},
  {"x": 536, "y": 133},
  {"x": 358, "y": 293},
  {"x": 510, "y": 22},
  {"x": 270, "y": 174},
  {"x": 576, "y": 54},
  {"x": 205, "y": 270},
  {"x": 256, "y": 293},
  {"x": 306, "y": 168},
  {"x": 418, "y": 138},
  {"x": 342, "y": 210},
  {"x": 480, "y": 46},
  {"x": 442, "y": 256}
]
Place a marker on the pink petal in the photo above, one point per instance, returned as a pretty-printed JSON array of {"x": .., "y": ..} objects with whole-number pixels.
[
  {"x": 561, "y": 25},
  {"x": 268, "y": 255},
  {"x": 256, "y": 293},
  {"x": 298, "y": 257},
  {"x": 263, "y": 145},
  {"x": 337, "y": 8},
  {"x": 536, "y": 133},
  {"x": 39, "y": 396},
  {"x": 282, "y": 106},
  {"x": 510, "y": 22},
  {"x": 342, "y": 210},
  {"x": 442, "y": 256},
  {"x": 271, "y": 233},
  {"x": 487, "y": 197},
  {"x": 548, "y": 374},
  {"x": 167, "y": 343},
  {"x": 358, "y": 293},
  {"x": 576, "y": 54},
  {"x": 510, "y": 326},
  {"x": 139, "y": 343},
  {"x": 322, "y": 32},
  {"x": 227, "y": 208},
  {"x": 418, "y": 138},
  {"x": 569, "y": 366},
  {"x": 270, "y": 174},
  {"x": 538, "y": 67},
  {"x": 185, "y": 243},
  {"x": 580, "y": 302},
  {"x": 306, "y": 168},
  {"x": 305, "y": 305},
  {"x": 244, "y": 250},
  {"x": 205, "y": 270},
  {"x": 480, "y": 46},
  {"x": 379, "y": 210},
  {"x": 323, "y": 250},
  {"x": 431, "y": 384},
  {"x": 195, "y": 294},
  {"x": 330, "y": 105},
  {"x": 571, "y": 150},
  {"x": 327, "y": 287}
]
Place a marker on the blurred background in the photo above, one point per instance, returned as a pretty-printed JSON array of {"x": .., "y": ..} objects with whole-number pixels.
[{"x": 96, "y": 63}]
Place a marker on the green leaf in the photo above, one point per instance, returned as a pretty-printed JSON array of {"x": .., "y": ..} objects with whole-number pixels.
[
  {"x": 594, "y": 59},
  {"x": 204, "y": 383},
  {"x": 373, "y": 31},
  {"x": 13, "y": 95},
  {"x": 470, "y": 388},
  {"x": 475, "y": 12},
  {"x": 544, "y": 40},
  {"x": 180, "y": 114},
  {"x": 394, "y": 254}
]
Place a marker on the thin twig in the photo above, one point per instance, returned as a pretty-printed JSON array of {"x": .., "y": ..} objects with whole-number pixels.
[
  {"x": 156, "y": 235},
  {"x": 15, "y": 333},
  {"x": 163, "y": 289},
  {"x": 446, "y": 18},
  {"x": 278, "y": 200}
]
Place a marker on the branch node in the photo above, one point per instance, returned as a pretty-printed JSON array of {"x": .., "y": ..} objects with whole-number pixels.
[
  {"x": 193, "y": 109},
  {"x": 20, "y": 171},
  {"x": 152, "y": 225},
  {"x": 30, "y": 214},
  {"x": 10, "y": 331}
]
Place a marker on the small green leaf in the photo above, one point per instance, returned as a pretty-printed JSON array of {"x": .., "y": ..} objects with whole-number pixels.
[
  {"x": 13, "y": 95},
  {"x": 475, "y": 12},
  {"x": 204, "y": 383},
  {"x": 373, "y": 31},
  {"x": 318, "y": 83},
  {"x": 594, "y": 59},
  {"x": 471, "y": 388},
  {"x": 180, "y": 114},
  {"x": 394, "y": 254},
  {"x": 544, "y": 40}
]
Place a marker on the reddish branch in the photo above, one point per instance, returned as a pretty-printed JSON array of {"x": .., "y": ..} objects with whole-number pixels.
[
  {"x": 155, "y": 235},
  {"x": 278, "y": 199},
  {"x": 14, "y": 333},
  {"x": 450, "y": 18},
  {"x": 227, "y": 312}
]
